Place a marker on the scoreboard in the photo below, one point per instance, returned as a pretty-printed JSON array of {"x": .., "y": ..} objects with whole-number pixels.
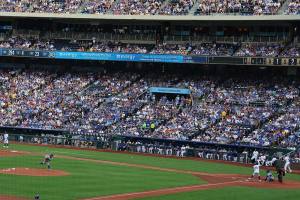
[{"x": 27, "y": 53}]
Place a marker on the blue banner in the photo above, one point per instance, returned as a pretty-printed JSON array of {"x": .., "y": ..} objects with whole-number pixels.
[
  {"x": 120, "y": 57},
  {"x": 131, "y": 57},
  {"x": 169, "y": 90}
]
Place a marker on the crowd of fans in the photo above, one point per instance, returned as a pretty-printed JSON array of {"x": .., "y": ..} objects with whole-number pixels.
[
  {"x": 22, "y": 43},
  {"x": 177, "y": 7},
  {"x": 264, "y": 7},
  {"x": 249, "y": 105},
  {"x": 291, "y": 51},
  {"x": 97, "y": 6},
  {"x": 137, "y": 7},
  {"x": 294, "y": 8},
  {"x": 41, "y": 6},
  {"x": 231, "y": 112},
  {"x": 263, "y": 50},
  {"x": 212, "y": 49},
  {"x": 149, "y": 7},
  {"x": 278, "y": 131}
]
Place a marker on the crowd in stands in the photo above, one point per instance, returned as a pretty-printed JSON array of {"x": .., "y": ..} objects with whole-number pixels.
[
  {"x": 278, "y": 131},
  {"x": 110, "y": 47},
  {"x": 291, "y": 51},
  {"x": 264, "y": 7},
  {"x": 137, "y": 7},
  {"x": 263, "y": 50},
  {"x": 177, "y": 7},
  {"x": 171, "y": 49},
  {"x": 22, "y": 43},
  {"x": 97, "y": 6},
  {"x": 293, "y": 8},
  {"x": 191, "y": 120},
  {"x": 149, "y": 7},
  {"x": 214, "y": 49},
  {"x": 233, "y": 111},
  {"x": 41, "y": 6}
]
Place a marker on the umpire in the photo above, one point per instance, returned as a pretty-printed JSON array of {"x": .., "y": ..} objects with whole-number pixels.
[{"x": 279, "y": 166}]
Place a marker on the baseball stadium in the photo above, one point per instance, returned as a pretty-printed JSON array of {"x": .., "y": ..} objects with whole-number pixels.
[{"x": 149, "y": 99}]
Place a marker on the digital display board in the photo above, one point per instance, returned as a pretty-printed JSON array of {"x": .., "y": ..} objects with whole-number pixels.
[
  {"x": 27, "y": 53},
  {"x": 226, "y": 60},
  {"x": 167, "y": 58},
  {"x": 163, "y": 58}
]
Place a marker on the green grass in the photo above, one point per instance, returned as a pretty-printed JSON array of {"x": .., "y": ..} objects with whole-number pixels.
[
  {"x": 197, "y": 166},
  {"x": 232, "y": 193},
  {"x": 145, "y": 160},
  {"x": 90, "y": 179},
  {"x": 86, "y": 179}
]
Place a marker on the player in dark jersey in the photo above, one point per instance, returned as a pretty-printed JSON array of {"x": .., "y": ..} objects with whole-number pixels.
[{"x": 279, "y": 166}]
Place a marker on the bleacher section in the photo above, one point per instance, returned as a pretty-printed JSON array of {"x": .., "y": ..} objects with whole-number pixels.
[{"x": 233, "y": 111}]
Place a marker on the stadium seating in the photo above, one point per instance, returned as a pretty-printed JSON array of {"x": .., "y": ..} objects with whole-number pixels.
[
  {"x": 150, "y": 7},
  {"x": 231, "y": 111},
  {"x": 293, "y": 8},
  {"x": 266, "y": 7}
]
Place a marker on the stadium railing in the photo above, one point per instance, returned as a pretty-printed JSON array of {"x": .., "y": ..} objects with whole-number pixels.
[{"x": 233, "y": 153}]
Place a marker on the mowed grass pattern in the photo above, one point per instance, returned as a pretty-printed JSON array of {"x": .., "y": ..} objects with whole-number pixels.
[
  {"x": 233, "y": 193},
  {"x": 172, "y": 163},
  {"x": 90, "y": 179},
  {"x": 144, "y": 160},
  {"x": 86, "y": 179}
]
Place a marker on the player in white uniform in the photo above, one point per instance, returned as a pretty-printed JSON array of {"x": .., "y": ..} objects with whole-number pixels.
[
  {"x": 5, "y": 140},
  {"x": 256, "y": 172},
  {"x": 254, "y": 156},
  {"x": 262, "y": 159},
  {"x": 271, "y": 162},
  {"x": 287, "y": 165}
]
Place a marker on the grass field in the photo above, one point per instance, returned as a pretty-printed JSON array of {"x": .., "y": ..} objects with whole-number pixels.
[{"x": 91, "y": 179}]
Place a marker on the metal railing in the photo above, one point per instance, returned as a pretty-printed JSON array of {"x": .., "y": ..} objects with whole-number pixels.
[
  {"x": 99, "y": 36},
  {"x": 151, "y": 38}
]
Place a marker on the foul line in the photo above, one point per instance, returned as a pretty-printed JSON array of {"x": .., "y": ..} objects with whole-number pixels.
[{"x": 165, "y": 191}]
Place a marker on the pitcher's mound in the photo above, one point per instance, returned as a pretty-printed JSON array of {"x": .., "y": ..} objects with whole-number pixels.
[{"x": 33, "y": 172}]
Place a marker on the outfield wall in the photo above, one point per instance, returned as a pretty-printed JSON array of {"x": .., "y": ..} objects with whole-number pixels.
[{"x": 167, "y": 148}]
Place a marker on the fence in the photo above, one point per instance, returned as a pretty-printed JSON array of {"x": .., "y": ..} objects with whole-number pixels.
[{"x": 241, "y": 154}]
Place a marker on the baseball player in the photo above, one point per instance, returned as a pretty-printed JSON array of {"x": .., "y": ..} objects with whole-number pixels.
[
  {"x": 262, "y": 159},
  {"x": 287, "y": 164},
  {"x": 47, "y": 160},
  {"x": 271, "y": 162},
  {"x": 254, "y": 156},
  {"x": 5, "y": 140},
  {"x": 269, "y": 177},
  {"x": 256, "y": 172}
]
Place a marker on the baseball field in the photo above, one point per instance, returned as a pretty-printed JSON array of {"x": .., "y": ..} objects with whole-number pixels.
[{"x": 92, "y": 175}]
